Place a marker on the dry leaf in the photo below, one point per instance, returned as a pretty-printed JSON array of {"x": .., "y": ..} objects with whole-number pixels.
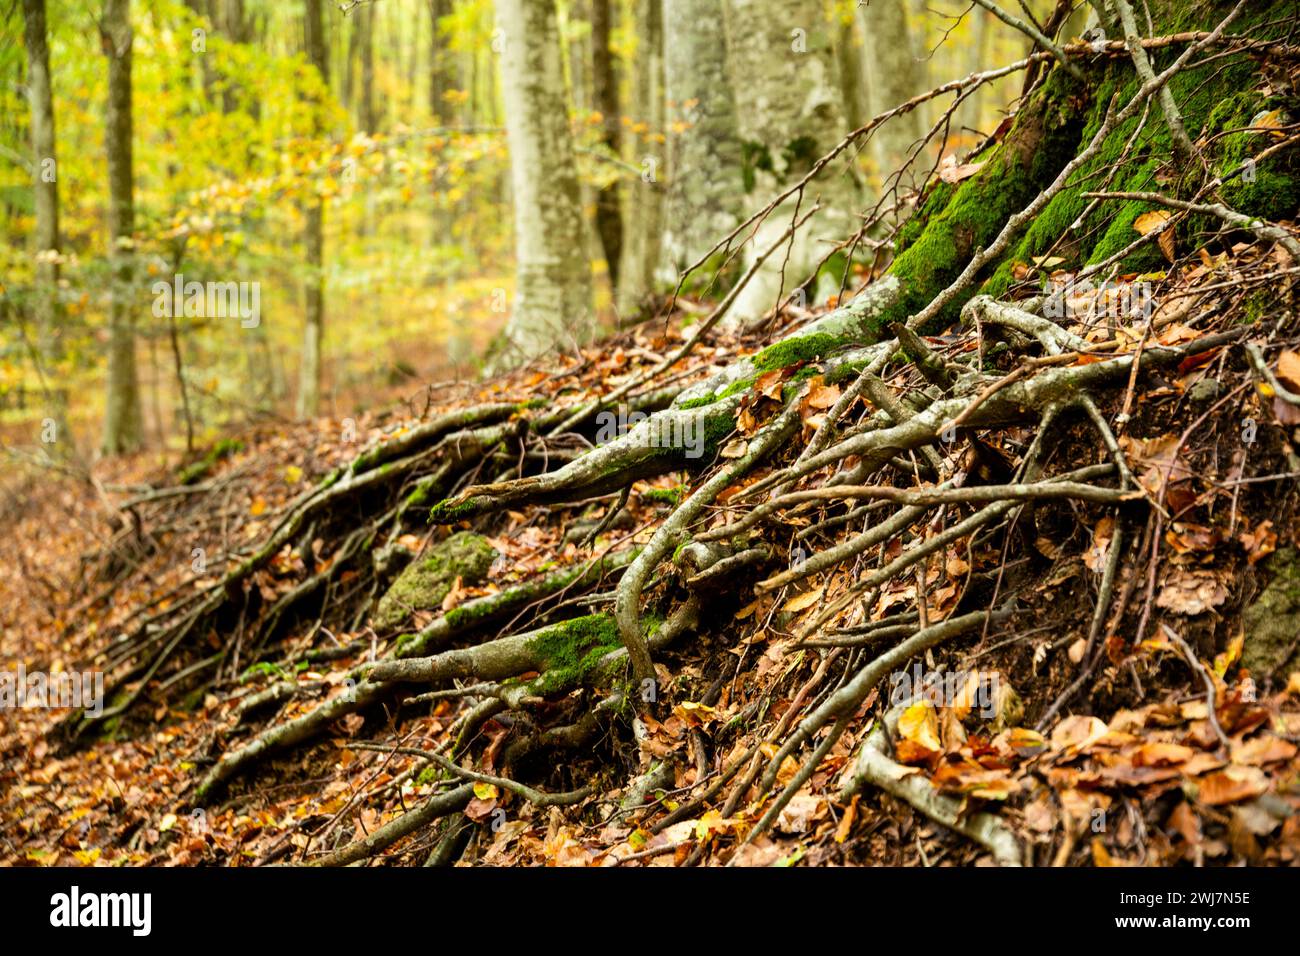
[
  {"x": 805, "y": 600},
  {"x": 1288, "y": 369},
  {"x": 920, "y": 724}
]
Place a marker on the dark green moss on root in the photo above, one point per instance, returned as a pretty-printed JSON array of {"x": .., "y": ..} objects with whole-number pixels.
[
  {"x": 193, "y": 473},
  {"x": 665, "y": 496},
  {"x": 797, "y": 350},
  {"x": 449, "y": 511},
  {"x": 571, "y": 653},
  {"x": 424, "y": 583}
]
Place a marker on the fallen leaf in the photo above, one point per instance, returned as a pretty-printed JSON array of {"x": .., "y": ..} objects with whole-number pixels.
[
  {"x": 1191, "y": 592},
  {"x": 805, "y": 600},
  {"x": 950, "y": 171},
  {"x": 920, "y": 724},
  {"x": 1231, "y": 785},
  {"x": 1288, "y": 369}
]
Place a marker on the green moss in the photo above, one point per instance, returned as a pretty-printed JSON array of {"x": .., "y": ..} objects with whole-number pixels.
[
  {"x": 939, "y": 196},
  {"x": 802, "y": 348},
  {"x": 717, "y": 428},
  {"x": 1271, "y": 621},
  {"x": 665, "y": 496},
  {"x": 571, "y": 652},
  {"x": 261, "y": 669},
  {"x": 449, "y": 511},
  {"x": 977, "y": 209},
  {"x": 196, "y": 471},
  {"x": 740, "y": 385},
  {"x": 423, "y": 584},
  {"x": 846, "y": 372},
  {"x": 419, "y": 495}
]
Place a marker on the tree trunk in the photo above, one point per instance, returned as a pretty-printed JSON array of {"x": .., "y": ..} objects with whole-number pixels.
[
  {"x": 313, "y": 242},
  {"x": 234, "y": 26},
  {"x": 442, "y": 78},
  {"x": 366, "y": 109},
  {"x": 348, "y": 80},
  {"x": 977, "y": 46},
  {"x": 122, "y": 417},
  {"x": 851, "y": 69},
  {"x": 644, "y": 196},
  {"x": 894, "y": 74},
  {"x": 552, "y": 307},
  {"x": 705, "y": 181},
  {"x": 441, "y": 66},
  {"x": 609, "y": 221},
  {"x": 45, "y": 235},
  {"x": 782, "y": 70}
]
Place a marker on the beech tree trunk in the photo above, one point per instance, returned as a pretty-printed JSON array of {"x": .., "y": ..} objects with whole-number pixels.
[
  {"x": 782, "y": 69},
  {"x": 314, "y": 243},
  {"x": 552, "y": 301},
  {"x": 705, "y": 180},
  {"x": 609, "y": 220},
  {"x": 894, "y": 74},
  {"x": 366, "y": 40},
  {"x": 441, "y": 66},
  {"x": 45, "y": 235},
  {"x": 123, "y": 426},
  {"x": 644, "y": 195}
]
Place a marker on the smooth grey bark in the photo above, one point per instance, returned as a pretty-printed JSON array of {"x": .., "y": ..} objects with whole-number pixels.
[
  {"x": 704, "y": 174},
  {"x": 313, "y": 242},
  {"x": 123, "y": 425},
  {"x": 604, "y": 94},
  {"x": 45, "y": 235},
  {"x": 782, "y": 70},
  {"x": 848, "y": 55},
  {"x": 644, "y": 195},
  {"x": 552, "y": 302},
  {"x": 894, "y": 74}
]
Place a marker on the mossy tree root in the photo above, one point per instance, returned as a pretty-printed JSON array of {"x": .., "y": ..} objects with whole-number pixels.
[
  {"x": 366, "y": 690},
  {"x": 875, "y": 767},
  {"x": 628, "y": 596}
]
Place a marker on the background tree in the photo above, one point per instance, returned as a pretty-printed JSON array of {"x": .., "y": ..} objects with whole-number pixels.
[
  {"x": 604, "y": 83},
  {"x": 45, "y": 233},
  {"x": 894, "y": 72},
  {"x": 313, "y": 240},
  {"x": 123, "y": 428},
  {"x": 442, "y": 64},
  {"x": 552, "y": 302},
  {"x": 643, "y": 195},
  {"x": 706, "y": 181},
  {"x": 366, "y": 117},
  {"x": 782, "y": 69}
]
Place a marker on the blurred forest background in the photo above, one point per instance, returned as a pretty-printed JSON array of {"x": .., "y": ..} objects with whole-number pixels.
[{"x": 364, "y": 185}]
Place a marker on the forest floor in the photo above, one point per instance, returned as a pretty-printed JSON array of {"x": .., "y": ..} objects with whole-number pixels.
[{"x": 1178, "y": 747}]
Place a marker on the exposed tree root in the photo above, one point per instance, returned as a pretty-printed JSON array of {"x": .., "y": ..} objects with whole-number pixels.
[
  {"x": 859, "y": 458},
  {"x": 874, "y": 767}
]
